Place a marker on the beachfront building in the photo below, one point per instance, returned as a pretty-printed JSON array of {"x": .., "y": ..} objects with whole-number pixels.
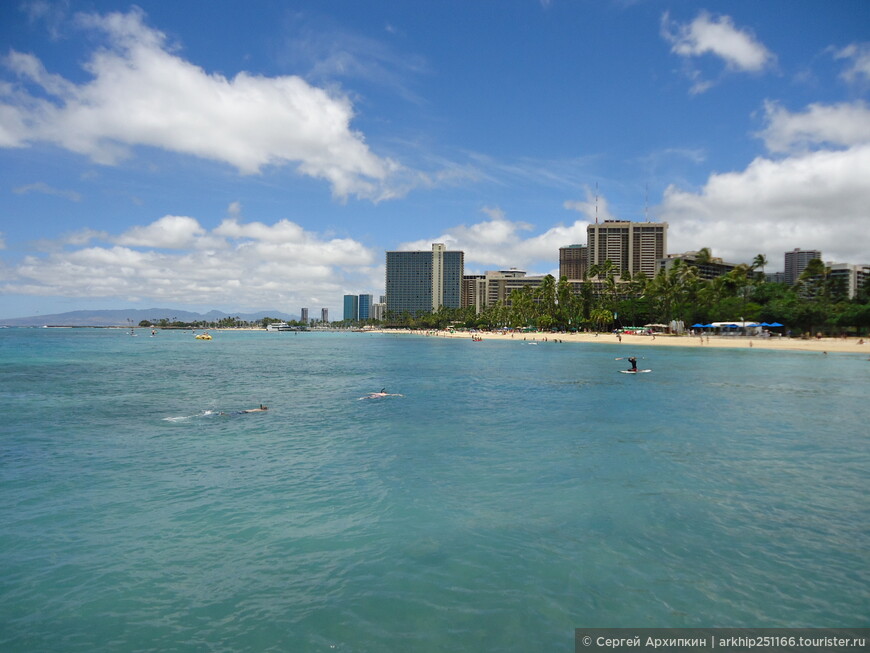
[
  {"x": 324, "y": 315},
  {"x": 473, "y": 290},
  {"x": 573, "y": 261},
  {"x": 351, "y": 308},
  {"x": 365, "y": 307},
  {"x": 796, "y": 261},
  {"x": 303, "y": 317},
  {"x": 630, "y": 246},
  {"x": 379, "y": 311},
  {"x": 422, "y": 281},
  {"x": 707, "y": 269},
  {"x": 495, "y": 286},
  {"x": 849, "y": 277}
]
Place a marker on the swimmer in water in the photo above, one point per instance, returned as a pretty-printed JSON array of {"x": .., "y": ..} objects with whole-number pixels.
[
  {"x": 261, "y": 409},
  {"x": 379, "y": 395}
]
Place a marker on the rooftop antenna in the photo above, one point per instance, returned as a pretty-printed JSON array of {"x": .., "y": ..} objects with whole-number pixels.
[
  {"x": 646, "y": 202},
  {"x": 596, "y": 202}
]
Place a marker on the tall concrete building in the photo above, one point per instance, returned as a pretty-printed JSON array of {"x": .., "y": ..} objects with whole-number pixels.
[
  {"x": 422, "y": 282},
  {"x": 796, "y": 261},
  {"x": 324, "y": 315},
  {"x": 472, "y": 287},
  {"x": 304, "y": 316},
  {"x": 573, "y": 261},
  {"x": 351, "y": 308},
  {"x": 630, "y": 246},
  {"x": 379, "y": 311}
]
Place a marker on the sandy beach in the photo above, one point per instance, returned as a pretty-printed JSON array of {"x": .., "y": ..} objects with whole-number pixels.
[{"x": 820, "y": 345}]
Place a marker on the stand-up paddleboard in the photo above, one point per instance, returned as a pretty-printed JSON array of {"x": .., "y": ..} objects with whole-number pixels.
[{"x": 634, "y": 371}]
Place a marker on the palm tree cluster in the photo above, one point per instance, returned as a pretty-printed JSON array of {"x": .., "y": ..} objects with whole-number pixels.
[{"x": 607, "y": 300}]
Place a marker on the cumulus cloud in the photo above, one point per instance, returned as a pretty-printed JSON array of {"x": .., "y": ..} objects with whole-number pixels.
[
  {"x": 709, "y": 34},
  {"x": 175, "y": 259},
  {"x": 141, "y": 93},
  {"x": 839, "y": 125},
  {"x": 170, "y": 232},
  {"x": 815, "y": 200},
  {"x": 718, "y": 36},
  {"x": 498, "y": 243}
]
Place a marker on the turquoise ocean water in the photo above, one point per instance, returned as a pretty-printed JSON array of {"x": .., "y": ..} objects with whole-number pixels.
[{"x": 513, "y": 493}]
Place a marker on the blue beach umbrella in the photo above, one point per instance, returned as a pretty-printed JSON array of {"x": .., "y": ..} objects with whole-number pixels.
[
  {"x": 698, "y": 326},
  {"x": 775, "y": 324}
]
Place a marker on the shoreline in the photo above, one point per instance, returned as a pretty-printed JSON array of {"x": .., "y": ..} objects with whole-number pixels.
[{"x": 820, "y": 345}]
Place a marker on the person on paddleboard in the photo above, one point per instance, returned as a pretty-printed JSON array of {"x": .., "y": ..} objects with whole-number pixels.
[{"x": 633, "y": 362}]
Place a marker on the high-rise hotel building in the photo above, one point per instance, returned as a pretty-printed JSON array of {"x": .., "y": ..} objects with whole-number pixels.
[
  {"x": 573, "y": 261},
  {"x": 630, "y": 246},
  {"x": 422, "y": 282},
  {"x": 796, "y": 261}
]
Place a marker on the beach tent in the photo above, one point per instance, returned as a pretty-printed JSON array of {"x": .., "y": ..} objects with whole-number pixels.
[{"x": 698, "y": 326}]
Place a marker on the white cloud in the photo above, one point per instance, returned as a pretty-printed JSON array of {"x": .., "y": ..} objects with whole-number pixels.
[
  {"x": 174, "y": 259},
  {"x": 815, "y": 200},
  {"x": 718, "y": 36},
  {"x": 594, "y": 207},
  {"x": 234, "y": 210},
  {"x": 839, "y": 125},
  {"x": 141, "y": 93},
  {"x": 45, "y": 189},
  {"x": 170, "y": 232},
  {"x": 859, "y": 56},
  {"x": 498, "y": 243}
]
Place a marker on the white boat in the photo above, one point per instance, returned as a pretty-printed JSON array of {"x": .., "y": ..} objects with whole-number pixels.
[{"x": 278, "y": 326}]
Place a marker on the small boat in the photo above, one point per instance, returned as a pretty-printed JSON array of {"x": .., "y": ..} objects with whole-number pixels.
[{"x": 203, "y": 336}]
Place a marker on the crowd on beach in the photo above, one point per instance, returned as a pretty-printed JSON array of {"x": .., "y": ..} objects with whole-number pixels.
[{"x": 778, "y": 342}]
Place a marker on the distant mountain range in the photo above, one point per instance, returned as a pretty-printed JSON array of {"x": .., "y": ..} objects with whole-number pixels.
[{"x": 123, "y": 317}]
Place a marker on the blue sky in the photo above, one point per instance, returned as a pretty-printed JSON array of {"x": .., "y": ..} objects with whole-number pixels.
[{"x": 264, "y": 155}]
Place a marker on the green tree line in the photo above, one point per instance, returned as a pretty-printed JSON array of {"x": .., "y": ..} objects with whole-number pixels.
[
  {"x": 819, "y": 302},
  {"x": 223, "y": 323}
]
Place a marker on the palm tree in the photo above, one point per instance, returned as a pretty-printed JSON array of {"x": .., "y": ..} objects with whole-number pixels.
[
  {"x": 601, "y": 318},
  {"x": 704, "y": 257},
  {"x": 545, "y": 296},
  {"x": 759, "y": 261}
]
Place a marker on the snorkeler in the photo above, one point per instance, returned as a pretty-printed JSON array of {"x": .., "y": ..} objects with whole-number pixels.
[
  {"x": 261, "y": 409},
  {"x": 380, "y": 395}
]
